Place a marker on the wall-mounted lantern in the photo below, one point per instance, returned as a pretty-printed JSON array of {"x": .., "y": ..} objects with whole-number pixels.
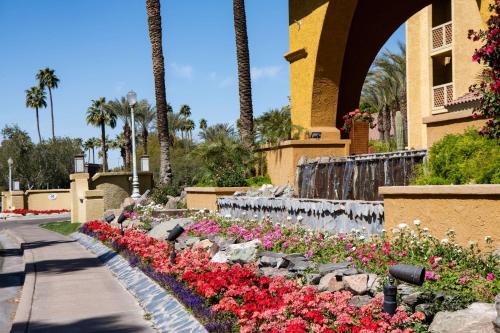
[{"x": 79, "y": 164}]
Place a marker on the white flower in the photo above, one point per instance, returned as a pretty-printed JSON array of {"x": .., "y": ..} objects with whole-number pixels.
[
  {"x": 471, "y": 243},
  {"x": 299, "y": 218},
  {"x": 425, "y": 229},
  {"x": 444, "y": 241},
  {"x": 417, "y": 222},
  {"x": 361, "y": 237},
  {"x": 255, "y": 215},
  {"x": 395, "y": 230},
  {"x": 383, "y": 231},
  {"x": 227, "y": 216},
  {"x": 402, "y": 226},
  {"x": 244, "y": 213},
  {"x": 288, "y": 218},
  {"x": 487, "y": 239}
]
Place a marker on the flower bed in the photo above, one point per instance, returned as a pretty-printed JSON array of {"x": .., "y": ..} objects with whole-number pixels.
[
  {"x": 35, "y": 212},
  {"x": 234, "y": 297},
  {"x": 467, "y": 273}
]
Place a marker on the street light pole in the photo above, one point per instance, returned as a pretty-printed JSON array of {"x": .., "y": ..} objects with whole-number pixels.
[
  {"x": 132, "y": 101},
  {"x": 10, "y": 162}
]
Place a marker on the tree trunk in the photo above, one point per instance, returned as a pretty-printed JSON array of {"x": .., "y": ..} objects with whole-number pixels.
[
  {"x": 387, "y": 123},
  {"x": 145, "y": 136},
  {"x": 93, "y": 155},
  {"x": 38, "y": 126},
  {"x": 244, "y": 79},
  {"x": 127, "y": 135},
  {"x": 404, "y": 115},
  {"x": 380, "y": 126},
  {"x": 103, "y": 148},
  {"x": 154, "y": 26},
  {"x": 52, "y": 115}
]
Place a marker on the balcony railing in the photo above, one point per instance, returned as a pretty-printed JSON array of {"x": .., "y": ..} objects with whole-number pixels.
[
  {"x": 441, "y": 36},
  {"x": 442, "y": 95}
]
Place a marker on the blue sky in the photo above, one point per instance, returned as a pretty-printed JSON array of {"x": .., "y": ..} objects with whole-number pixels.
[{"x": 101, "y": 48}]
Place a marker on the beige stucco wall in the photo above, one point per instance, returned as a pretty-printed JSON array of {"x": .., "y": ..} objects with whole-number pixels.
[
  {"x": 93, "y": 206},
  {"x": 13, "y": 200},
  {"x": 282, "y": 159},
  {"x": 117, "y": 186},
  {"x": 79, "y": 185},
  {"x": 206, "y": 197},
  {"x": 466, "y": 14},
  {"x": 39, "y": 199},
  {"x": 472, "y": 211}
]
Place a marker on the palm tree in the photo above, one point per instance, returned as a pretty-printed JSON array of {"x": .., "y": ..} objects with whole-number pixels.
[
  {"x": 244, "y": 81},
  {"x": 122, "y": 110},
  {"x": 154, "y": 26},
  {"x": 203, "y": 124},
  {"x": 275, "y": 126},
  {"x": 35, "y": 99},
  {"x": 99, "y": 115},
  {"x": 185, "y": 110},
  {"x": 218, "y": 132},
  {"x": 47, "y": 78},
  {"x": 146, "y": 117}
]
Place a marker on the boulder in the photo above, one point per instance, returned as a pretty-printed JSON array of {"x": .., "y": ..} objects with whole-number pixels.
[
  {"x": 477, "y": 318},
  {"x": 412, "y": 299},
  {"x": 220, "y": 257},
  {"x": 243, "y": 253},
  {"x": 374, "y": 283},
  {"x": 144, "y": 199},
  {"x": 313, "y": 278},
  {"x": 172, "y": 202},
  {"x": 162, "y": 230},
  {"x": 298, "y": 265},
  {"x": 273, "y": 271},
  {"x": 405, "y": 289},
  {"x": 207, "y": 245},
  {"x": 328, "y": 268},
  {"x": 358, "y": 283},
  {"x": 359, "y": 301},
  {"x": 331, "y": 282},
  {"x": 266, "y": 261},
  {"x": 127, "y": 202},
  {"x": 496, "y": 322}
]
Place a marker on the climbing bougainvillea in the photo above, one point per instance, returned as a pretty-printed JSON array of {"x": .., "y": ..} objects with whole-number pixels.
[{"x": 489, "y": 87}]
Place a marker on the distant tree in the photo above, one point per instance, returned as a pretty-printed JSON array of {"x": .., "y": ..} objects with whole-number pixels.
[
  {"x": 35, "y": 99},
  {"x": 99, "y": 115},
  {"x": 218, "y": 133},
  {"x": 244, "y": 79},
  {"x": 185, "y": 110},
  {"x": 48, "y": 79},
  {"x": 275, "y": 126},
  {"x": 121, "y": 109},
  {"x": 155, "y": 36},
  {"x": 203, "y": 124},
  {"x": 146, "y": 115}
]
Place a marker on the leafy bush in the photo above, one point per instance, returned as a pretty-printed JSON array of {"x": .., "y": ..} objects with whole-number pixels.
[
  {"x": 379, "y": 146},
  {"x": 160, "y": 195},
  {"x": 258, "y": 181},
  {"x": 462, "y": 159}
]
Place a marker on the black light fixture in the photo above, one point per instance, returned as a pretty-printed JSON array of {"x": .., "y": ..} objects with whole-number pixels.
[
  {"x": 109, "y": 218},
  {"x": 175, "y": 233},
  {"x": 120, "y": 221},
  {"x": 406, "y": 273},
  {"x": 316, "y": 135}
]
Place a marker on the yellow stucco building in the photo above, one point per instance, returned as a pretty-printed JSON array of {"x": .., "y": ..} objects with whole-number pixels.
[{"x": 440, "y": 69}]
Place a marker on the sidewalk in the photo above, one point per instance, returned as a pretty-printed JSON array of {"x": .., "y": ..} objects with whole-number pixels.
[{"x": 71, "y": 291}]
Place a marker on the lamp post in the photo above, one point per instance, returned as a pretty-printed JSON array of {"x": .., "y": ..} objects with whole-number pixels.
[
  {"x": 10, "y": 162},
  {"x": 132, "y": 101}
]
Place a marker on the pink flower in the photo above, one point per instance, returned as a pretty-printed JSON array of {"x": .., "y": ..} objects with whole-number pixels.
[
  {"x": 490, "y": 276},
  {"x": 309, "y": 254}
]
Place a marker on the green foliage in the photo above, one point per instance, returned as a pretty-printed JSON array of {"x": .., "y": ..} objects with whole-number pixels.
[
  {"x": 64, "y": 228},
  {"x": 43, "y": 165},
  {"x": 379, "y": 146},
  {"x": 258, "y": 181},
  {"x": 275, "y": 126},
  {"x": 160, "y": 195},
  {"x": 462, "y": 159}
]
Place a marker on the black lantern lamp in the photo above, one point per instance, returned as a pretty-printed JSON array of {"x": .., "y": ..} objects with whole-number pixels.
[
  {"x": 109, "y": 218},
  {"x": 175, "y": 233},
  {"x": 120, "y": 221},
  {"x": 406, "y": 273}
]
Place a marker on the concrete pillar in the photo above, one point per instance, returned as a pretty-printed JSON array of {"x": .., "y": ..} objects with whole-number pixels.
[
  {"x": 13, "y": 200},
  {"x": 93, "y": 205},
  {"x": 79, "y": 185}
]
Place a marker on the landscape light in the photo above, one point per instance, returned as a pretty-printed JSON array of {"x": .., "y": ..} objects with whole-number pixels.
[
  {"x": 316, "y": 135},
  {"x": 109, "y": 218},
  {"x": 406, "y": 273},
  {"x": 175, "y": 233},
  {"x": 120, "y": 221}
]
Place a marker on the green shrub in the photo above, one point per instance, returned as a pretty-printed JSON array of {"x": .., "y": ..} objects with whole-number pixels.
[
  {"x": 160, "y": 195},
  {"x": 258, "y": 181},
  {"x": 461, "y": 159},
  {"x": 379, "y": 146}
]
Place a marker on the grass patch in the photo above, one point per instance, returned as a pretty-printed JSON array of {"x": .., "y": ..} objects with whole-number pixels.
[{"x": 64, "y": 228}]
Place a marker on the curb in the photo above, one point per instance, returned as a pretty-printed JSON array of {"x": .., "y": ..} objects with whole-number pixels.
[{"x": 23, "y": 313}]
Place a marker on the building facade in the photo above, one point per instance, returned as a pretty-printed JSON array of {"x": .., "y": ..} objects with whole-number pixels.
[{"x": 440, "y": 69}]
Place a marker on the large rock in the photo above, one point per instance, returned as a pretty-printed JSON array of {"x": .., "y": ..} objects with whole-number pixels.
[
  {"x": 358, "y": 283},
  {"x": 207, "y": 245},
  {"x": 243, "y": 253},
  {"x": 496, "y": 322},
  {"x": 127, "y": 202},
  {"x": 220, "y": 257},
  {"x": 144, "y": 199},
  {"x": 299, "y": 265},
  {"x": 162, "y": 230},
  {"x": 359, "y": 301},
  {"x": 328, "y": 268},
  {"x": 374, "y": 284},
  {"x": 477, "y": 318},
  {"x": 331, "y": 282},
  {"x": 273, "y": 271}
]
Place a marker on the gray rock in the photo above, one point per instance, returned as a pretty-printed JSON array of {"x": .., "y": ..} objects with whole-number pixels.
[
  {"x": 144, "y": 199},
  {"x": 405, "y": 289},
  {"x": 162, "y": 230},
  {"x": 424, "y": 308},
  {"x": 172, "y": 202},
  {"x": 374, "y": 283},
  {"x": 294, "y": 256},
  {"x": 412, "y": 299},
  {"x": 272, "y": 254},
  {"x": 359, "y": 301},
  {"x": 243, "y": 253},
  {"x": 496, "y": 322},
  {"x": 209, "y": 246},
  {"x": 300, "y": 265},
  {"x": 266, "y": 261},
  {"x": 127, "y": 202},
  {"x": 327, "y": 268},
  {"x": 477, "y": 318},
  {"x": 358, "y": 283},
  {"x": 221, "y": 257},
  {"x": 313, "y": 278},
  {"x": 273, "y": 271}
]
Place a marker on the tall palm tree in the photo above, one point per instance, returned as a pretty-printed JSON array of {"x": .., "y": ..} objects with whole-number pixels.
[
  {"x": 47, "y": 78},
  {"x": 154, "y": 26},
  {"x": 203, "y": 123},
  {"x": 99, "y": 115},
  {"x": 185, "y": 110},
  {"x": 217, "y": 132},
  {"x": 146, "y": 115},
  {"x": 244, "y": 80},
  {"x": 121, "y": 109},
  {"x": 35, "y": 99}
]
